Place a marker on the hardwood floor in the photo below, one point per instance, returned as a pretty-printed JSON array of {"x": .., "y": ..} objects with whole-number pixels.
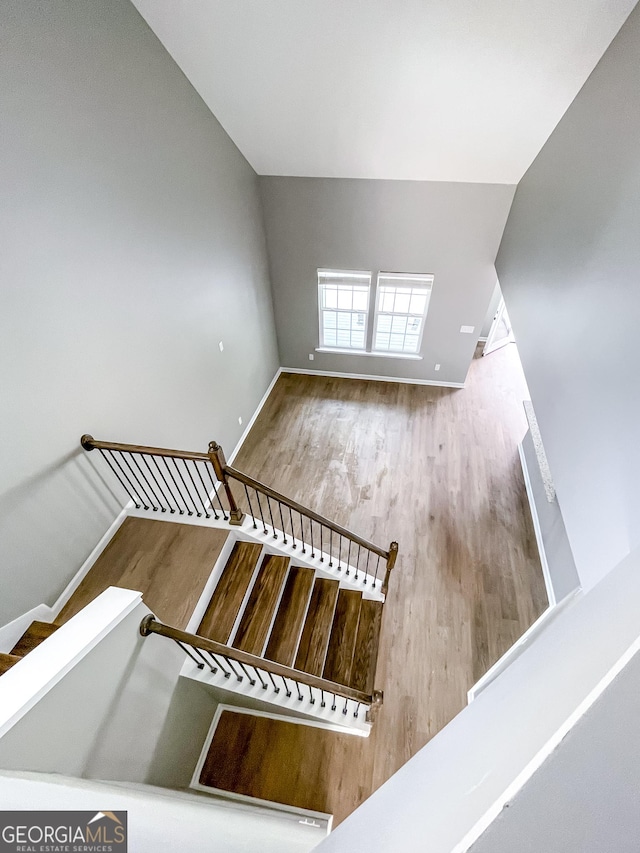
[
  {"x": 438, "y": 470},
  {"x": 169, "y": 563}
]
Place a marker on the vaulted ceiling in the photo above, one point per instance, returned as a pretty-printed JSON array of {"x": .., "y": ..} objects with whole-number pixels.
[{"x": 441, "y": 90}]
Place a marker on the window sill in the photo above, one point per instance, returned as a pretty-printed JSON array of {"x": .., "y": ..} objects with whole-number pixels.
[{"x": 370, "y": 354}]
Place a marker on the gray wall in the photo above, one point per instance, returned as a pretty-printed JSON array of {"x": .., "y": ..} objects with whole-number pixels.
[
  {"x": 563, "y": 574},
  {"x": 450, "y": 230},
  {"x": 584, "y": 798},
  {"x": 131, "y": 243},
  {"x": 569, "y": 266}
]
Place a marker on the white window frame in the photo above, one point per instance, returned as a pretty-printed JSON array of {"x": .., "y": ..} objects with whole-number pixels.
[
  {"x": 363, "y": 277},
  {"x": 416, "y": 281}
]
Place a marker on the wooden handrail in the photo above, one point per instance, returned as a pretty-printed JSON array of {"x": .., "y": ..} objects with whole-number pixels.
[
  {"x": 90, "y": 443},
  {"x": 222, "y": 470},
  {"x": 150, "y": 625},
  {"x": 304, "y": 510}
]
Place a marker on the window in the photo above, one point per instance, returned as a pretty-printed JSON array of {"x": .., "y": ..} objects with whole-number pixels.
[
  {"x": 402, "y": 301},
  {"x": 343, "y": 299}
]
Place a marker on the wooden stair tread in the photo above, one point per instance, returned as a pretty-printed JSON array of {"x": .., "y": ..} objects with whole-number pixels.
[
  {"x": 317, "y": 627},
  {"x": 226, "y": 601},
  {"x": 35, "y": 634},
  {"x": 342, "y": 640},
  {"x": 7, "y": 661},
  {"x": 365, "y": 656},
  {"x": 257, "y": 618},
  {"x": 252, "y": 755},
  {"x": 284, "y": 636}
]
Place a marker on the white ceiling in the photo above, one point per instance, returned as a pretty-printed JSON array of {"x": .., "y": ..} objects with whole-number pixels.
[{"x": 441, "y": 90}]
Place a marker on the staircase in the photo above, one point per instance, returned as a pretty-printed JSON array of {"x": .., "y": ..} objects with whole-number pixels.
[
  {"x": 35, "y": 634},
  {"x": 267, "y": 607},
  {"x": 295, "y": 616}
]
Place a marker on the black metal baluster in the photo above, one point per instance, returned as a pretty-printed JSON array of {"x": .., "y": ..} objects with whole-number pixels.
[
  {"x": 322, "y": 702},
  {"x": 164, "y": 480},
  {"x": 142, "y": 488},
  {"x": 214, "y": 669},
  {"x": 312, "y": 699},
  {"x": 302, "y": 533},
  {"x": 339, "y": 551},
  {"x": 185, "y": 649},
  {"x": 333, "y": 705},
  {"x": 177, "y": 491},
  {"x": 128, "y": 479},
  {"x": 209, "y": 501},
  {"x": 198, "y": 652},
  {"x": 233, "y": 669},
  {"x": 349, "y": 558},
  {"x": 264, "y": 683},
  {"x": 358, "y": 561},
  {"x": 356, "y": 713},
  {"x": 286, "y": 687},
  {"x": 140, "y": 469},
  {"x": 175, "y": 465},
  {"x": 330, "y": 548},
  {"x": 158, "y": 486},
  {"x": 260, "y": 508},
  {"x": 252, "y": 681},
  {"x": 300, "y": 696},
  {"x": 196, "y": 488},
  {"x": 366, "y": 570},
  {"x": 311, "y": 535},
  {"x": 377, "y": 568},
  {"x": 215, "y": 492},
  {"x": 273, "y": 527},
  {"x": 284, "y": 534},
  {"x": 226, "y": 674},
  {"x": 275, "y": 688},
  {"x": 246, "y": 491},
  {"x": 321, "y": 553},
  {"x": 344, "y": 710},
  {"x": 293, "y": 535},
  {"x": 106, "y": 458}
]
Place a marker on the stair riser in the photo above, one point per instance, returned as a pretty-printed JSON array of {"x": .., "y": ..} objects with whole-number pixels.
[{"x": 283, "y": 704}]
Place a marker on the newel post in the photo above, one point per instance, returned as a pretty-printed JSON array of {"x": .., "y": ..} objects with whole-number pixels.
[
  {"x": 391, "y": 561},
  {"x": 216, "y": 455}
]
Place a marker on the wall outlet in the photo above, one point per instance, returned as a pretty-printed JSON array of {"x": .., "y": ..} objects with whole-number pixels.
[
  {"x": 221, "y": 346},
  {"x": 437, "y": 367},
  {"x": 240, "y": 421},
  {"x": 467, "y": 330},
  {"x": 311, "y": 356}
]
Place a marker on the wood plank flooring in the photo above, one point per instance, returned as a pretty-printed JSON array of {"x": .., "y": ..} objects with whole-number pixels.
[
  {"x": 438, "y": 470},
  {"x": 169, "y": 563},
  {"x": 248, "y": 754}
]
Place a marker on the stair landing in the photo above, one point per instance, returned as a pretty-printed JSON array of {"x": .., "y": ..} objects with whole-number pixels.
[{"x": 241, "y": 759}]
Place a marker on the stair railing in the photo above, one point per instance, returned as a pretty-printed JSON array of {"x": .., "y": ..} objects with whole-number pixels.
[
  {"x": 190, "y": 483},
  {"x": 273, "y": 678}
]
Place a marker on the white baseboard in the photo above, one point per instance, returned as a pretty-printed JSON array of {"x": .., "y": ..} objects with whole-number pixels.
[
  {"x": 482, "y": 340},
  {"x": 551, "y": 595},
  {"x": 77, "y": 579},
  {"x": 373, "y": 378},
  {"x": 247, "y": 429}
]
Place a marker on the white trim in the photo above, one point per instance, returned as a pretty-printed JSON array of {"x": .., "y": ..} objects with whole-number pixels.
[
  {"x": 77, "y": 579},
  {"x": 370, "y": 354},
  {"x": 551, "y": 595},
  {"x": 373, "y": 378},
  {"x": 254, "y": 416},
  {"x": 482, "y": 339},
  {"x": 31, "y": 678}
]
